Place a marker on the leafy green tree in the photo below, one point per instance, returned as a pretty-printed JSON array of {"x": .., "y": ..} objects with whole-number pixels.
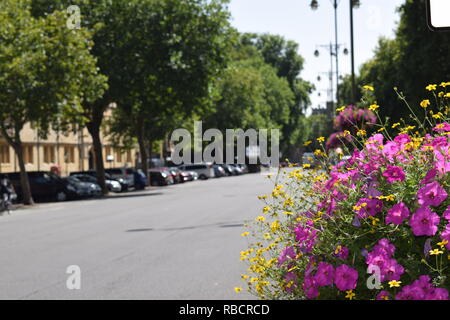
[
  {"x": 415, "y": 58},
  {"x": 283, "y": 56},
  {"x": 251, "y": 94},
  {"x": 167, "y": 55},
  {"x": 46, "y": 73}
]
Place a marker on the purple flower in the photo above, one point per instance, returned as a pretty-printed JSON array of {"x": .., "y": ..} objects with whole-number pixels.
[
  {"x": 397, "y": 214},
  {"x": 445, "y": 235},
  {"x": 446, "y": 214},
  {"x": 429, "y": 176},
  {"x": 310, "y": 287},
  {"x": 424, "y": 222},
  {"x": 431, "y": 195},
  {"x": 383, "y": 295},
  {"x": 410, "y": 292},
  {"x": 392, "y": 270},
  {"x": 442, "y": 127},
  {"x": 289, "y": 278},
  {"x": 325, "y": 274},
  {"x": 345, "y": 278},
  {"x": 427, "y": 247},
  {"x": 437, "y": 294},
  {"x": 287, "y": 253},
  {"x": 394, "y": 173},
  {"x": 368, "y": 207}
]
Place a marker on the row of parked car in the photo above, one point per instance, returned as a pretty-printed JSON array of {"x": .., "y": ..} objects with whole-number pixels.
[{"x": 84, "y": 184}]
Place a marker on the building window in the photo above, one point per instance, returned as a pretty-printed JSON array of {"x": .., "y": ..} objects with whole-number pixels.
[
  {"x": 28, "y": 154},
  {"x": 4, "y": 154},
  {"x": 118, "y": 155},
  {"x": 129, "y": 156},
  {"x": 107, "y": 151},
  {"x": 49, "y": 154},
  {"x": 69, "y": 154}
]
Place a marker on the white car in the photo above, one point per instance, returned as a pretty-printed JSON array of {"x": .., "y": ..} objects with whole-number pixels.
[{"x": 204, "y": 170}]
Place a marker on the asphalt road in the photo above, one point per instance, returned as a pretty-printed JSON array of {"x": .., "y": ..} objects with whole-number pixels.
[{"x": 177, "y": 242}]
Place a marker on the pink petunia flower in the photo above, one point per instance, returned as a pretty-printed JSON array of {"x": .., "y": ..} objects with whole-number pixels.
[
  {"x": 394, "y": 173},
  {"x": 431, "y": 195},
  {"x": 442, "y": 127},
  {"x": 424, "y": 222},
  {"x": 325, "y": 274},
  {"x": 446, "y": 213},
  {"x": 397, "y": 214},
  {"x": 287, "y": 253},
  {"x": 345, "y": 278},
  {"x": 445, "y": 235},
  {"x": 429, "y": 176},
  {"x": 383, "y": 295},
  {"x": 310, "y": 287}
]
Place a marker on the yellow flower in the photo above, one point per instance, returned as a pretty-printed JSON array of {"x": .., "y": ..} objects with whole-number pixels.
[
  {"x": 436, "y": 252},
  {"x": 368, "y": 88},
  {"x": 307, "y": 143},
  {"x": 350, "y": 294},
  {"x": 238, "y": 289},
  {"x": 321, "y": 139},
  {"x": 275, "y": 226},
  {"x": 361, "y": 133},
  {"x": 431, "y": 87},
  {"x": 340, "y": 109},
  {"x": 244, "y": 277},
  {"x": 381, "y": 129},
  {"x": 447, "y": 95},
  {"x": 245, "y": 234},
  {"x": 260, "y": 218},
  {"x": 395, "y": 125},
  {"x": 445, "y": 84},
  {"x": 305, "y": 166},
  {"x": 394, "y": 283},
  {"x": 374, "y": 107},
  {"x": 266, "y": 209},
  {"x": 425, "y": 103},
  {"x": 442, "y": 244}
]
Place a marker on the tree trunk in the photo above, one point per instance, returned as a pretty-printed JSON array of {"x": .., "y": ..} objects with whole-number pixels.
[
  {"x": 94, "y": 130},
  {"x": 143, "y": 150},
  {"x": 27, "y": 198},
  {"x": 16, "y": 144}
]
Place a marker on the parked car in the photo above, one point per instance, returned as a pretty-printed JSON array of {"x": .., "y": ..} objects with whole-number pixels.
[
  {"x": 83, "y": 189},
  {"x": 124, "y": 175},
  {"x": 237, "y": 170},
  {"x": 194, "y": 175},
  {"x": 44, "y": 186},
  {"x": 243, "y": 167},
  {"x": 229, "y": 170},
  {"x": 140, "y": 180},
  {"x": 160, "y": 177},
  {"x": 91, "y": 176},
  {"x": 204, "y": 170},
  {"x": 176, "y": 174},
  {"x": 219, "y": 171},
  {"x": 186, "y": 176}
]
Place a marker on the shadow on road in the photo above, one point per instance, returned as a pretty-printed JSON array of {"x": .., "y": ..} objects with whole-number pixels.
[{"x": 218, "y": 225}]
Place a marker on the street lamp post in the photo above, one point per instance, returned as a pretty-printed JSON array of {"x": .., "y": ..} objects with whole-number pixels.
[{"x": 354, "y": 4}]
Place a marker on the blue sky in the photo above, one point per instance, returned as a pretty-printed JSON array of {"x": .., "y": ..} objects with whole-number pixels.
[{"x": 294, "y": 20}]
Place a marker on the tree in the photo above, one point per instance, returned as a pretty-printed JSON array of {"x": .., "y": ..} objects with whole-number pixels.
[
  {"x": 415, "y": 58},
  {"x": 283, "y": 56},
  {"x": 167, "y": 55},
  {"x": 46, "y": 72},
  {"x": 251, "y": 94}
]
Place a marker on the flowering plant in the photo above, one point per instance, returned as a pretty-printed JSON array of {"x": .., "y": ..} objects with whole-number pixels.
[{"x": 373, "y": 226}]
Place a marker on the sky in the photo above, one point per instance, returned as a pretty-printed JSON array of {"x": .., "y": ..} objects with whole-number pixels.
[{"x": 295, "y": 20}]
